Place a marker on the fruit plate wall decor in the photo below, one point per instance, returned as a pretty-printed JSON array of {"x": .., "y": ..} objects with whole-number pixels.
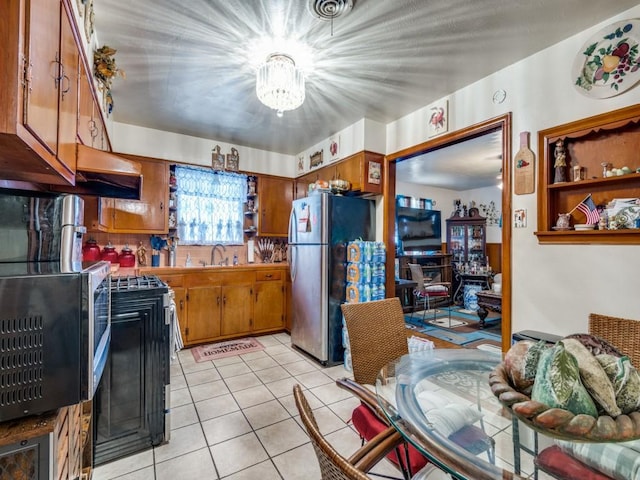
[{"x": 608, "y": 64}]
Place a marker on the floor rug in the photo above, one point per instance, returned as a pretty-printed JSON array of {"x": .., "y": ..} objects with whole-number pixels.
[
  {"x": 447, "y": 322},
  {"x": 214, "y": 351},
  {"x": 467, "y": 335}
]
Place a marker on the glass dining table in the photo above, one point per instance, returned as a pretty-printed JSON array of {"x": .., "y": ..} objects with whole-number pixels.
[{"x": 432, "y": 396}]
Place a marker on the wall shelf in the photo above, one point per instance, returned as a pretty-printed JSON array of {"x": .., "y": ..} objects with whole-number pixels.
[{"x": 612, "y": 137}]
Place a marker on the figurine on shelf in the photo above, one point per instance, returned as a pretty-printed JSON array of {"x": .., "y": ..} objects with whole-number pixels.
[
  {"x": 141, "y": 253},
  {"x": 560, "y": 165}
]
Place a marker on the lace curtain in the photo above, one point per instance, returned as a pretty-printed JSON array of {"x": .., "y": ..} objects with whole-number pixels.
[{"x": 210, "y": 206}]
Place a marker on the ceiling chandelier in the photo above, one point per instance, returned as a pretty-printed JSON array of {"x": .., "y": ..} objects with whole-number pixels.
[{"x": 280, "y": 84}]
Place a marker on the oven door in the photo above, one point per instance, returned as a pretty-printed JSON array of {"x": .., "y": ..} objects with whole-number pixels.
[{"x": 96, "y": 325}]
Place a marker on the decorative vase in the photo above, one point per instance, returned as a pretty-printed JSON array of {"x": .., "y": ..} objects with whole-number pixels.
[{"x": 470, "y": 297}]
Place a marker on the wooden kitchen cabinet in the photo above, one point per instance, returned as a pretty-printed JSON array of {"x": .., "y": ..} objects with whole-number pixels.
[
  {"x": 38, "y": 104},
  {"x": 180, "y": 297},
  {"x": 237, "y": 307},
  {"x": 275, "y": 195},
  {"x": 301, "y": 184},
  {"x": 205, "y": 313},
  {"x": 269, "y": 308},
  {"x": 147, "y": 215},
  {"x": 363, "y": 170},
  {"x": 91, "y": 129},
  {"x": 221, "y": 303}
]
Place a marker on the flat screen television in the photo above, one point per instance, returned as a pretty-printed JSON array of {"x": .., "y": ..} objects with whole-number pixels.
[{"x": 418, "y": 231}]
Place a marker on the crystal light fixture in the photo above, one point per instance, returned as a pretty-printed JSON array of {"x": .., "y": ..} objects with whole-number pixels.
[{"x": 280, "y": 84}]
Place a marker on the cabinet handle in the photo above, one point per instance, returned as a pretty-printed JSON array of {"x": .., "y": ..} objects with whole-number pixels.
[
  {"x": 268, "y": 275},
  {"x": 181, "y": 304},
  {"x": 224, "y": 300},
  {"x": 256, "y": 296},
  {"x": 93, "y": 129},
  {"x": 161, "y": 205},
  {"x": 218, "y": 300},
  {"x": 66, "y": 90}
]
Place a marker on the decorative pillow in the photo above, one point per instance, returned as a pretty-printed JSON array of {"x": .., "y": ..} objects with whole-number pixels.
[
  {"x": 558, "y": 383},
  {"x": 593, "y": 376},
  {"x": 521, "y": 362},
  {"x": 618, "y": 460},
  {"x": 453, "y": 417},
  {"x": 563, "y": 466},
  {"x": 436, "y": 288},
  {"x": 595, "y": 344},
  {"x": 429, "y": 400},
  {"x": 625, "y": 379}
]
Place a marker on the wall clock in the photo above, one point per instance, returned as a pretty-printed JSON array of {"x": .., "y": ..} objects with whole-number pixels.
[{"x": 499, "y": 96}]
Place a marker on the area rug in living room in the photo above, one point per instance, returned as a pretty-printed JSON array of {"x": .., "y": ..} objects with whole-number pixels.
[
  {"x": 214, "y": 351},
  {"x": 464, "y": 330}
]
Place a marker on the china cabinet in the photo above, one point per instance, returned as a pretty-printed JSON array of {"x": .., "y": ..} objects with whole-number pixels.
[
  {"x": 466, "y": 239},
  {"x": 608, "y": 141}
]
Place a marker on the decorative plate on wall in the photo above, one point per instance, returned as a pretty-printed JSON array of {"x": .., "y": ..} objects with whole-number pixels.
[{"x": 609, "y": 62}]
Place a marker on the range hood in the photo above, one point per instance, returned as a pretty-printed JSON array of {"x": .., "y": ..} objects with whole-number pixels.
[{"x": 107, "y": 175}]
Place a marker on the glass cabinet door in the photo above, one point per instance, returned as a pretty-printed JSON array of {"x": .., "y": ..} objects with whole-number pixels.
[
  {"x": 457, "y": 243},
  {"x": 475, "y": 241}
]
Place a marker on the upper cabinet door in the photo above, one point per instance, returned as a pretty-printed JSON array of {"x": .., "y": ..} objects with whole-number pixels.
[
  {"x": 86, "y": 127},
  {"x": 149, "y": 214},
  {"x": 68, "y": 94},
  {"x": 42, "y": 50},
  {"x": 275, "y": 195}
]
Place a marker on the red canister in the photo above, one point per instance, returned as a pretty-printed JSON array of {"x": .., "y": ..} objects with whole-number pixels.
[
  {"x": 109, "y": 253},
  {"x": 127, "y": 258},
  {"x": 90, "y": 251}
]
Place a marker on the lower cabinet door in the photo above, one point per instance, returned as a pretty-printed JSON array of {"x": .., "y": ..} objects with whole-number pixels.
[
  {"x": 237, "y": 309},
  {"x": 269, "y": 306},
  {"x": 205, "y": 304}
]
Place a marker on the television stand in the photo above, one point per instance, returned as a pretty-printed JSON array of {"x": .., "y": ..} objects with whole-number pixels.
[{"x": 433, "y": 264}]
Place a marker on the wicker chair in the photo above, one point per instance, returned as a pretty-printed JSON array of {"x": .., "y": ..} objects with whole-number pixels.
[
  {"x": 377, "y": 335},
  {"x": 334, "y": 466},
  {"x": 380, "y": 324},
  {"x": 430, "y": 293},
  {"x": 622, "y": 333}
]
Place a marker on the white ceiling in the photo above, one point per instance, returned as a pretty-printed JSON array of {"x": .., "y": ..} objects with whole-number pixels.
[
  {"x": 189, "y": 63},
  {"x": 467, "y": 165}
]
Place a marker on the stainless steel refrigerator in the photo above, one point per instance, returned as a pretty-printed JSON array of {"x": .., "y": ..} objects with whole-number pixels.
[{"x": 320, "y": 227}]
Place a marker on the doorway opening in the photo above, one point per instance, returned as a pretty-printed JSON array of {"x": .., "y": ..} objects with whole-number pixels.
[{"x": 500, "y": 124}]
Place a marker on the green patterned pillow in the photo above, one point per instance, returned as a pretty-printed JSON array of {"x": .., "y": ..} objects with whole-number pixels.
[{"x": 558, "y": 383}]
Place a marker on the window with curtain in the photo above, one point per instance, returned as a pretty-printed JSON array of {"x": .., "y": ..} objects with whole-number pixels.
[{"x": 210, "y": 206}]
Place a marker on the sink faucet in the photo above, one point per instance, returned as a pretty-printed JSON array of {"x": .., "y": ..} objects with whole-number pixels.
[{"x": 213, "y": 254}]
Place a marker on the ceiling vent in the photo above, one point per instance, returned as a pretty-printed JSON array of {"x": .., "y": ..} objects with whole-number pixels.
[{"x": 330, "y": 9}]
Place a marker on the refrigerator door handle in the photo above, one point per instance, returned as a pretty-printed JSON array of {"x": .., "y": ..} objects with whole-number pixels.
[
  {"x": 292, "y": 222},
  {"x": 293, "y": 262}
]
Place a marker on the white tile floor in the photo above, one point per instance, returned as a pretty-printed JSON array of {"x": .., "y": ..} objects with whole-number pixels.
[{"x": 235, "y": 419}]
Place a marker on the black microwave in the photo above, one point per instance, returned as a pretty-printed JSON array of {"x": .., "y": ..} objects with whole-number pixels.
[{"x": 55, "y": 330}]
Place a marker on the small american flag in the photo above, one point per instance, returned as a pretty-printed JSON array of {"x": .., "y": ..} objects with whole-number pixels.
[{"x": 589, "y": 209}]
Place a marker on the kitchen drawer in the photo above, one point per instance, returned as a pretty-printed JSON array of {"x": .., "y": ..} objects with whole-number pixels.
[
  {"x": 173, "y": 280},
  {"x": 266, "y": 275}
]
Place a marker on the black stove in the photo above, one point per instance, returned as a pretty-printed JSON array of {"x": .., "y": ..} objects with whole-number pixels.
[
  {"x": 131, "y": 405},
  {"x": 131, "y": 282}
]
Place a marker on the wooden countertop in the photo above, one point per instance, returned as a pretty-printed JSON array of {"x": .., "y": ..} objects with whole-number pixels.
[{"x": 200, "y": 268}]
